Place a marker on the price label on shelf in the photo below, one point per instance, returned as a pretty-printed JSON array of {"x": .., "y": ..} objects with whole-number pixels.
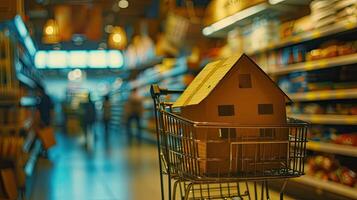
[
  {"x": 311, "y": 96},
  {"x": 313, "y": 145},
  {"x": 309, "y": 65},
  {"x": 340, "y": 94},
  {"x": 316, "y": 34},
  {"x": 296, "y": 39},
  {"x": 322, "y": 63},
  {"x": 350, "y": 25},
  {"x": 351, "y": 120},
  {"x": 324, "y": 95}
]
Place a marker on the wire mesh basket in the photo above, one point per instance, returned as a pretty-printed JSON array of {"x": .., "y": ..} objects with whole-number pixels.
[{"x": 216, "y": 153}]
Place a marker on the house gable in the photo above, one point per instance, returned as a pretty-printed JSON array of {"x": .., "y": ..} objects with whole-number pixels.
[
  {"x": 208, "y": 79},
  {"x": 247, "y": 101}
]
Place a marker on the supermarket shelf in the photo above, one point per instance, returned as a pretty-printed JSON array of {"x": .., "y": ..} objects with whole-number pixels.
[
  {"x": 315, "y": 65},
  {"x": 31, "y": 162},
  {"x": 309, "y": 35},
  {"x": 30, "y": 139},
  {"x": 145, "y": 65},
  {"x": 6, "y": 93},
  {"x": 327, "y": 119},
  {"x": 180, "y": 68},
  {"x": 329, "y": 186},
  {"x": 284, "y": 8},
  {"x": 325, "y": 147},
  {"x": 324, "y": 95}
]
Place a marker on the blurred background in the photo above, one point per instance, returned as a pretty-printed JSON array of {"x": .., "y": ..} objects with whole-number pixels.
[{"x": 76, "y": 115}]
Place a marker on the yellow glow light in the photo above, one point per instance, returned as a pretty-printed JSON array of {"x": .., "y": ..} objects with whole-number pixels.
[
  {"x": 49, "y": 30},
  {"x": 123, "y": 4},
  {"x": 116, "y": 37}
]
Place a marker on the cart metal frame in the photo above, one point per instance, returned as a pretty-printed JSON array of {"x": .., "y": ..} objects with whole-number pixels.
[{"x": 179, "y": 159}]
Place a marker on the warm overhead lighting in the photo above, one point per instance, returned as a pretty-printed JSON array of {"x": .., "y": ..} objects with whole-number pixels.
[
  {"x": 275, "y": 1},
  {"x": 123, "y": 4},
  {"x": 225, "y": 22},
  {"x": 97, "y": 59},
  {"x": 40, "y": 59},
  {"x": 115, "y": 59},
  {"x": 117, "y": 38},
  {"x": 51, "y": 32},
  {"x": 79, "y": 59},
  {"x": 57, "y": 59}
]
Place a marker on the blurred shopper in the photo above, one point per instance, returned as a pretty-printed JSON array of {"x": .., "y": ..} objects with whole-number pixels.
[
  {"x": 133, "y": 112},
  {"x": 45, "y": 115},
  {"x": 106, "y": 114},
  {"x": 45, "y": 108},
  {"x": 88, "y": 117}
]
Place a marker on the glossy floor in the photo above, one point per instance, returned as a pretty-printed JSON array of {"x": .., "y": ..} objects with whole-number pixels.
[{"x": 107, "y": 171}]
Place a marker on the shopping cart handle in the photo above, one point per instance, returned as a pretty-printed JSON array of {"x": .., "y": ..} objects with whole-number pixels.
[{"x": 155, "y": 91}]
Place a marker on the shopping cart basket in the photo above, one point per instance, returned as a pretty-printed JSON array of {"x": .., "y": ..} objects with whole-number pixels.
[{"x": 205, "y": 167}]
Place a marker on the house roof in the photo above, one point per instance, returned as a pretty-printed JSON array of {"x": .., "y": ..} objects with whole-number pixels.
[{"x": 208, "y": 79}]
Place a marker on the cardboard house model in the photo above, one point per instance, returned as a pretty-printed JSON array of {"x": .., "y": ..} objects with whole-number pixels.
[{"x": 237, "y": 91}]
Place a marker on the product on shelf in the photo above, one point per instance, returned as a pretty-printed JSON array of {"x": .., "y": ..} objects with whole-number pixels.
[
  {"x": 11, "y": 147},
  {"x": 346, "y": 139},
  {"x": 328, "y": 168},
  {"x": 323, "y": 12},
  {"x": 325, "y": 79},
  {"x": 297, "y": 26},
  {"x": 329, "y": 108}
]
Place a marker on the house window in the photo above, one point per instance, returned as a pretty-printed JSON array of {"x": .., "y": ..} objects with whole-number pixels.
[
  {"x": 267, "y": 133},
  {"x": 265, "y": 109},
  {"x": 225, "y": 133},
  {"x": 245, "y": 81},
  {"x": 226, "y": 110}
]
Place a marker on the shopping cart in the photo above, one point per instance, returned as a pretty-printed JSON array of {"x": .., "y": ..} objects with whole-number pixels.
[{"x": 237, "y": 165}]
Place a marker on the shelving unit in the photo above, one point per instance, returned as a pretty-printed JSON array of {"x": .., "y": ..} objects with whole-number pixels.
[
  {"x": 342, "y": 26},
  {"x": 327, "y": 186},
  {"x": 324, "y": 95},
  {"x": 18, "y": 96},
  {"x": 325, "y": 147},
  {"x": 315, "y": 65},
  {"x": 273, "y": 52},
  {"x": 280, "y": 8},
  {"x": 327, "y": 119}
]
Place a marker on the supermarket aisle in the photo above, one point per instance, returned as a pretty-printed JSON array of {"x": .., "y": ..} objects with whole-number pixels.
[
  {"x": 116, "y": 171},
  {"x": 113, "y": 171}
]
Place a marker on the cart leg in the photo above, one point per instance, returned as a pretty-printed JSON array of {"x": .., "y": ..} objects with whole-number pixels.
[
  {"x": 267, "y": 190},
  {"x": 174, "y": 189},
  {"x": 169, "y": 184},
  {"x": 262, "y": 191},
  {"x": 187, "y": 192},
  {"x": 159, "y": 151},
  {"x": 247, "y": 190},
  {"x": 282, "y": 189},
  {"x": 255, "y": 191}
]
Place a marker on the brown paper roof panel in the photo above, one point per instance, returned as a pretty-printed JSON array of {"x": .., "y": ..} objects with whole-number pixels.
[{"x": 206, "y": 81}]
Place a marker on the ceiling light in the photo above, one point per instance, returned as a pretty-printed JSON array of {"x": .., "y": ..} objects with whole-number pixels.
[
  {"x": 49, "y": 30},
  {"x": 275, "y": 1},
  {"x": 123, "y": 4},
  {"x": 116, "y": 37}
]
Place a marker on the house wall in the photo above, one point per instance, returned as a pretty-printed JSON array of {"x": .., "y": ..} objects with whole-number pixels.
[
  {"x": 214, "y": 152},
  {"x": 246, "y": 100}
]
